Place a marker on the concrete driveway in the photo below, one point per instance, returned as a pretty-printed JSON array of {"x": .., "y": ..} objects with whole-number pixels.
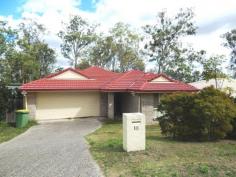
[{"x": 50, "y": 150}]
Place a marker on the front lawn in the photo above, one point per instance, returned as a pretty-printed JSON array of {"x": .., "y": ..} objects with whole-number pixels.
[
  {"x": 8, "y": 131},
  {"x": 163, "y": 157}
]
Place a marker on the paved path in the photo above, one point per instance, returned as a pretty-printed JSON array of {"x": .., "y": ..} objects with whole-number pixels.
[{"x": 50, "y": 150}]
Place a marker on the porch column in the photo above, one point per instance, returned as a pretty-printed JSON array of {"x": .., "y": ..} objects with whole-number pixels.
[
  {"x": 158, "y": 98},
  {"x": 25, "y": 104},
  {"x": 31, "y": 102},
  {"x": 110, "y": 105}
]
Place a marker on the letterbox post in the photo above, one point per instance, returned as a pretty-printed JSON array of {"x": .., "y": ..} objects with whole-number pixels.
[{"x": 133, "y": 132}]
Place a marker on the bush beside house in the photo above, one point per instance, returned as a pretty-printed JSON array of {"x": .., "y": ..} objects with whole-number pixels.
[
  {"x": 203, "y": 116},
  {"x": 10, "y": 100},
  {"x": 4, "y": 93},
  {"x": 232, "y": 134}
]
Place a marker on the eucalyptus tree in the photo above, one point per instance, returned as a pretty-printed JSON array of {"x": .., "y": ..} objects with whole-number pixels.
[
  {"x": 31, "y": 57},
  {"x": 76, "y": 37},
  {"x": 164, "y": 44},
  {"x": 8, "y": 38},
  {"x": 230, "y": 42},
  {"x": 213, "y": 69},
  {"x": 118, "y": 50}
]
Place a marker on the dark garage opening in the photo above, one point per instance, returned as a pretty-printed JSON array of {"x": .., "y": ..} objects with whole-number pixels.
[{"x": 118, "y": 105}]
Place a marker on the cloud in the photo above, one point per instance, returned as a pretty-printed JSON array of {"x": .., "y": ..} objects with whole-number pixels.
[
  {"x": 139, "y": 12},
  {"x": 228, "y": 21},
  {"x": 214, "y": 17},
  {"x": 42, "y": 6}
]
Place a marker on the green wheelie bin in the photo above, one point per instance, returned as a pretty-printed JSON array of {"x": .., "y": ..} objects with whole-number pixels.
[{"x": 22, "y": 118}]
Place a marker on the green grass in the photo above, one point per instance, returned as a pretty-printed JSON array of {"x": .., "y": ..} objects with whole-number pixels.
[
  {"x": 8, "y": 131},
  {"x": 163, "y": 157}
]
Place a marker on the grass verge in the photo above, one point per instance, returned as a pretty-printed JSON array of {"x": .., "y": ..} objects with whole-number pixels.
[
  {"x": 163, "y": 157},
  {"x": 9, "y": 131}
]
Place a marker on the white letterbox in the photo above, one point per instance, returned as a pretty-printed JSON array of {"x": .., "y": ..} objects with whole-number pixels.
[{"x": 133, "y": 131}]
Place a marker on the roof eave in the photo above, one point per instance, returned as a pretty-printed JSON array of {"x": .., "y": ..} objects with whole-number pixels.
[{"x": 63, "y": 89}]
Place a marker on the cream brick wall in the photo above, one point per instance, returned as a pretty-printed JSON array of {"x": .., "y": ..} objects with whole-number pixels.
[
  {"x": 149, "y": 101},
  {"x": 147, "y": 107}
]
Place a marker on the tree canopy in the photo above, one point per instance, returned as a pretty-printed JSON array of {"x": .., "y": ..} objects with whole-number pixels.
[
  {"x": 164, "y": 45},
  {"x": 212, "y": 68},
  {"x": 26, "y": 56},
  {"x": 230, "y": 42},
  {"x": 118, "y": 50},
  {"x": 76, "y": 37}
]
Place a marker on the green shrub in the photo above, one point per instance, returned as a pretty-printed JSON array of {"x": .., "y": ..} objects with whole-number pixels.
[
  {"x": 10, "y": 100},
  {"x": 232, "y": 134},
  {"x": 202, "y": 116},
  {"x": 4, "y": 92}
]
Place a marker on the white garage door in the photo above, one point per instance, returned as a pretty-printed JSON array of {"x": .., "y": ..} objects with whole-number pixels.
[{"x": 60, "y": 105}]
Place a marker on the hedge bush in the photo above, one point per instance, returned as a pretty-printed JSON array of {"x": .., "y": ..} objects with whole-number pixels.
[
  {"x": 4, "y": 92},
  {"x": 202, "y": 116},
  {"x": 232, "y": 134},
  {"x": 10, "y": 100}
]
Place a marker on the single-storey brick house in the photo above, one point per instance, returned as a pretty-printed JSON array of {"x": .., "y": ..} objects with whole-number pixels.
[{"x": 94, "y": 91}]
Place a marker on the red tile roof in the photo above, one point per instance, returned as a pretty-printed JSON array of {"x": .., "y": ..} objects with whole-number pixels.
[{"x": 103, "y": 80}]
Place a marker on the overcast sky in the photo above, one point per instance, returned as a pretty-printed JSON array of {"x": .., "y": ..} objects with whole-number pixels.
[{"x": 213, "y": 17}]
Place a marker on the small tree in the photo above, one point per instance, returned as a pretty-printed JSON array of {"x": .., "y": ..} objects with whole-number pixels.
[{"x": 212, "y": 69}]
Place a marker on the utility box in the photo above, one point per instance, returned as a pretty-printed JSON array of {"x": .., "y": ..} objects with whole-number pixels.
[{"x": 133, "y": 132}]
